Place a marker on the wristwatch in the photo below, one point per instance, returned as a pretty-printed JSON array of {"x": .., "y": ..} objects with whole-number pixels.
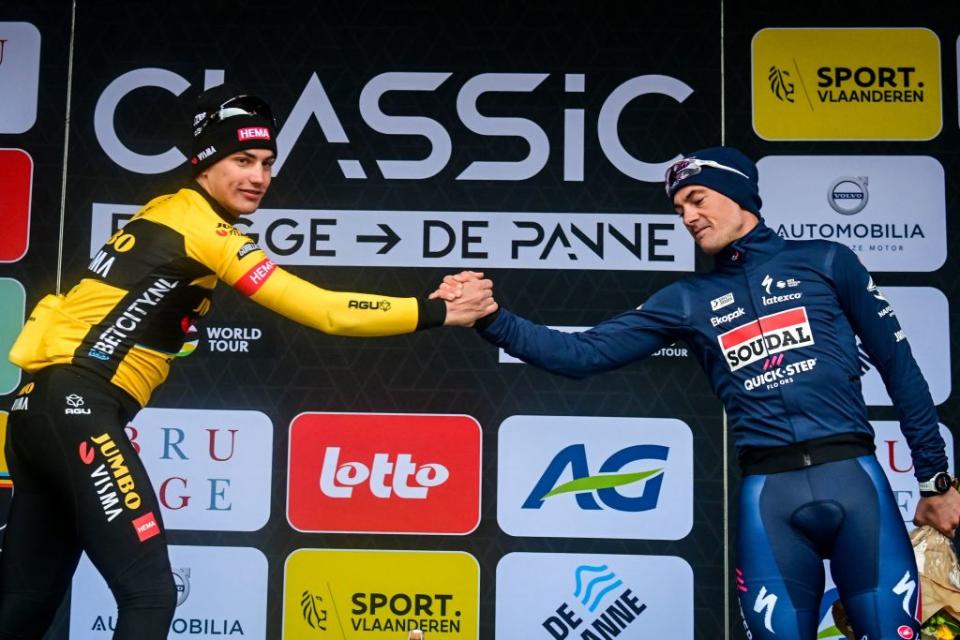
[{"x": 938, "y": 485}]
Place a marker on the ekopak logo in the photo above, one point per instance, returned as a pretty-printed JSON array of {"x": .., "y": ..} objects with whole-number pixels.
[
  {"x": 587, "y": 477},
  {"x": 384, "y": 473}
]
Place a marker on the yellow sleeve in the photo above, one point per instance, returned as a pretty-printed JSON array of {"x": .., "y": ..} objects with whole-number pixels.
[{"x": 238, "y": 261}]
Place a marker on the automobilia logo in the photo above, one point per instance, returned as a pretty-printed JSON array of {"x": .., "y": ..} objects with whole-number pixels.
[
  {"x": 601, "y": 606},
  {"x": 594, "y": 492},
  {"x": 383, "y": 472},
  {"x": 767, "y": 336},
  {"x": 127, "y": 322},
  {"x": 848, "y": 196},
  {"x": 316, "y": 105}
]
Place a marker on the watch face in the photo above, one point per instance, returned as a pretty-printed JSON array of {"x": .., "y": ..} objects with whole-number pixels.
[{"x": 941, "y": 482}]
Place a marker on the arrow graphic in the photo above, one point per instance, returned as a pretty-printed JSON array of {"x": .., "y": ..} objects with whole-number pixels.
[{"x": 389, "y": 239}]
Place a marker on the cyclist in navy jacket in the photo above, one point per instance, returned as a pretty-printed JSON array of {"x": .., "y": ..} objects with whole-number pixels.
[{"x": 774, "y": 325}]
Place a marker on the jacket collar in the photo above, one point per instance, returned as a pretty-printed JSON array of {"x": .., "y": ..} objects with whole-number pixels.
[{"x": 758, "y": 246}]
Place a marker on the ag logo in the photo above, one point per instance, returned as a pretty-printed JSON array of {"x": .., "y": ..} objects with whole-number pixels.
[
  {"x": 595, "y": 477},
  {"x": 602, "y": 487}
]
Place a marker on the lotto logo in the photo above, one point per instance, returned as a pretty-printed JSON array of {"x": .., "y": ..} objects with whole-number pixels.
[
  {"x": 384, "y": 473},
  {"x": 16, "y": 179}
]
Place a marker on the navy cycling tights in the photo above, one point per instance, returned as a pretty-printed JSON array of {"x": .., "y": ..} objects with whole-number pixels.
[{"x": 844, "y": 512}]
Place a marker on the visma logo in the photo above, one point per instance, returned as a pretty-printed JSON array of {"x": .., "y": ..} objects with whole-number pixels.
[{"x": 602, "y": 487}]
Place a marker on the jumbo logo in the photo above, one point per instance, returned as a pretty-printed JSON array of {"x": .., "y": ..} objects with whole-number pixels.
[
  {"x": 771, "y": 334},
  {"x": 384, "y": 473},
  {"x": 846, "y": 84}
]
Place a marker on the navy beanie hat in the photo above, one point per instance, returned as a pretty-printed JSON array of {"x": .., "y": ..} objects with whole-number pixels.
[
  {"x": 740, "y": 185},
  {"x": 228, "y": 119}
]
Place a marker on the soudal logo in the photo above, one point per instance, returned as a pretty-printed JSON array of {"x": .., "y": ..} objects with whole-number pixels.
[
  {"x": 769, "y": 335},
  {"x": 384, "y": 473},
  {"x": 253, "y": 133}
]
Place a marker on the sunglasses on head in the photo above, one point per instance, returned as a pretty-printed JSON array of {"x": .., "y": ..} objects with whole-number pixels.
[
  {"x": 683, "y": 169},
  {"x": 236, "y": 106}
]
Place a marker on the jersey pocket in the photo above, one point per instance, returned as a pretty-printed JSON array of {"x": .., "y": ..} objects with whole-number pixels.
[{"x": 29, "y": 351}]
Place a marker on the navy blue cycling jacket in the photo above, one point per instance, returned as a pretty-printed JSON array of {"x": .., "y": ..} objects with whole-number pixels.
[{"x": 773, "y": 327}]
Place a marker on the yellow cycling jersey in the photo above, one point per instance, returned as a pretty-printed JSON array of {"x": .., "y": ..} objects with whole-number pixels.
[{"x": 147, "y": 286}]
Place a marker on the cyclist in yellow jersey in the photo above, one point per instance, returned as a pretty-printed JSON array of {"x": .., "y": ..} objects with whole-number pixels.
[{"x": 98, "y": 353}]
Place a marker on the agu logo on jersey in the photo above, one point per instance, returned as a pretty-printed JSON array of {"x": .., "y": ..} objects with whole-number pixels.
[
  {"x": 16, "y": 185},
  {"x": 595, "y": 477},
  {"x": 767, "y": 336},
  {"x": 846, "y": 84},
  {"x": 340, "y": 594},
  {"x": 554, "y": 596},
  {"x": 384, "y": 473}
]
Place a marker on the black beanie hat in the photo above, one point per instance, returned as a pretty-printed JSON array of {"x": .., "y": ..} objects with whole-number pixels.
[
  {"x": 226, "y": 120},
  {"x": 736, "y": 178}
]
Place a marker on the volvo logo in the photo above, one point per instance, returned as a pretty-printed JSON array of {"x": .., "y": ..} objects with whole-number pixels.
[{"x": 848, "y": 195}]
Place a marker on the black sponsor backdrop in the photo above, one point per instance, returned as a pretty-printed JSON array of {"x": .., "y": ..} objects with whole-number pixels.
[{"x": 274, "y": 50}]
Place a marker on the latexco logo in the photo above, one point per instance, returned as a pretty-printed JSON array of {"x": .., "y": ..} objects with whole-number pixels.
[
  {"x": 860, "y": 201},
  {"x": 210, "y": 469},
  {"x": 19, "y": 77},
  {"x": 846, "y": 84},
  {"x": 595, "y": 477},
  {"x": 384, "y": 473},
  {"x": 338, "y": 594},
  {"x": 12, "y": 309},
  {"x": 221, "y": 592},
  {"x": 565, "y": 596}
]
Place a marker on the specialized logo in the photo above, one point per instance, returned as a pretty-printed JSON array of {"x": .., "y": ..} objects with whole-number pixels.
[
  {"x": 338, "y": 594},
  {"x": 311, "y": 605},
  {"x": 146, "y": 526},
  {"x": 723, "y": 301},
  {"x": 764, "y": 605},
  {"x": 253, "y": 133},
  {"x": 906, "y": 587},
  {"x": 16, "y": 191},
  {"x": 383, "y": 305},
  {"x": 846, "y": 84},
  {"x": 590, "y": 491},
  {"x": 115, "y": 335},
  {"x": 848, "y": 195},
  {"x": 75, "y": 405},
  {"x": 384, "y": 473},
  {"x": 771, "y": 334},
  {"x": 250, "y": 282},
  {"x": 716, "y": 321}
]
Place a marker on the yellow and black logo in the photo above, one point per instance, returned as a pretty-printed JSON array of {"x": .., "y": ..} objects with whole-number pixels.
[{"x": 846, "y": 84}]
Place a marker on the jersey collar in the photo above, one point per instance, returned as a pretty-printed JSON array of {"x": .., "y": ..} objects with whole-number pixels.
[
  {"x": 218, "y": 209},
  {"x": 759, "y": 245}
]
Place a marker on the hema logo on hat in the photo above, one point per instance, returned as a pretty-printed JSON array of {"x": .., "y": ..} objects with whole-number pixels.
[{"x": 253, "y": 133}]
